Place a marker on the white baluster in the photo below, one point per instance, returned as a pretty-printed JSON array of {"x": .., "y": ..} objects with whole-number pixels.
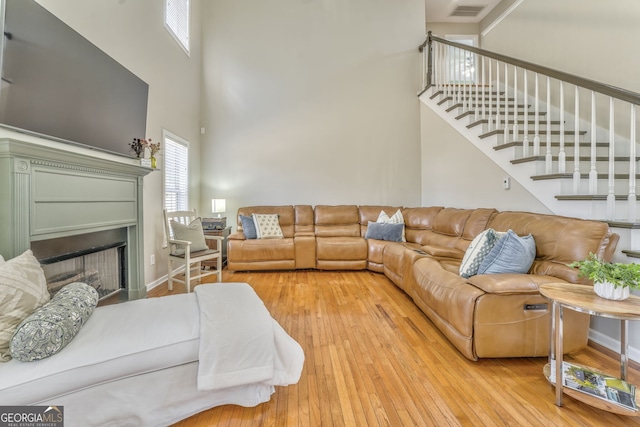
[
  {"x": 611, "y": 194},
  {"x": 505, "y": 138},
  {"x": 460, "y": 83},
  {"x": 536, "y": 117},
  {"x": 497, "y": 96},
  {"x": 490, "y": 118},
  {"x": 632, "y": 166},
  {"x": 484, "y": 109},
  {"x": 436, "y": 66},
  {"x": 443, "y": 69},
  {"x": 516, "y": 129},
  {"x": 458, "y": 77},
  {"x": 454, "y": 86},
  {"x": 593, "y": 172},
  {"x": 469, "y": 84},
  {"x": 548, "y": 157},
  {"x": 561, "y": 154},
  {"x": 576, "y": 147},
  {"x": 525, "y": 140},
  {"x": 447, "y": 73},
  {"x": 476, "y": 97}
]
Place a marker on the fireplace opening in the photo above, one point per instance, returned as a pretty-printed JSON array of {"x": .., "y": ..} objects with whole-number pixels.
[{"x": 97, "y": 259}]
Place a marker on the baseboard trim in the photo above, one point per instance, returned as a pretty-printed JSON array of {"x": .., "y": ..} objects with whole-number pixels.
[{"x": 611, "y": 347}]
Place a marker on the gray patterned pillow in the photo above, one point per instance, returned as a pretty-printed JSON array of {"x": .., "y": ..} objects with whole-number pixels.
[{"x": 51, "y": 327}]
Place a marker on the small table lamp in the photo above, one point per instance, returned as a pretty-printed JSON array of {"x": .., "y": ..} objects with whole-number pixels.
[{"x": 218, "y": 206}]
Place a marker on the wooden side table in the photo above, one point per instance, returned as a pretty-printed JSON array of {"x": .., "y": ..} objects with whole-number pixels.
[
  {"x": 224, "y": 233},
  {"x": 584, "y": 299}
]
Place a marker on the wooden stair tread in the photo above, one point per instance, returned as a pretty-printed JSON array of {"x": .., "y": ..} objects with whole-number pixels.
[{"x": 569, "y": 159}]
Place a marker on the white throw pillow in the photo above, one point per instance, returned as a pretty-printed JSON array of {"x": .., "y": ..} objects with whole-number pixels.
[
  {"x": 267, "y": 226},
  {"x": 23, "y": 288},
  {"x": 192, "y": 233},
  {"x": 396, "y": 218}
]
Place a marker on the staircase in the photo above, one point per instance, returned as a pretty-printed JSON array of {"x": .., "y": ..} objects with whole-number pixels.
[{"x": 570, "y": 142}]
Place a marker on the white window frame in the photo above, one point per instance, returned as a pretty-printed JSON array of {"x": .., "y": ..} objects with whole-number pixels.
[
  {"x": 464, "y": 39},
  {"x": 169, "y": 139},
  {"x": 181, "y": 30}
]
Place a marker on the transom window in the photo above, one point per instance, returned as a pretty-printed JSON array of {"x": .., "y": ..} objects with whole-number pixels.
[{"x": 176, "y": 20}]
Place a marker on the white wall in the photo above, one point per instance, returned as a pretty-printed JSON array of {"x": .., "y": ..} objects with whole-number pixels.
[
  {"x": 455, "y": 173},
  {"x": 311, "y": 102},
  {"x": 133, "y": 33},
  {"x": 590, "y": 38}
]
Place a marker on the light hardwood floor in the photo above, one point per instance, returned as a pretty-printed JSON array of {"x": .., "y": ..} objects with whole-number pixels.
[{"x": 374, "y": 359}]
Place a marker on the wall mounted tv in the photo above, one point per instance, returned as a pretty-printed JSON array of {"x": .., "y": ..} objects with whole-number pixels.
[{"x": 55, "y": 83}]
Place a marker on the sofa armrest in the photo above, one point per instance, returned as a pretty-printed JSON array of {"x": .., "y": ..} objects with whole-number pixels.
[
  {"x": 509, "y": 284},
  {"x": 238, "y": 235},
  {"x": 442, "y": 252}
]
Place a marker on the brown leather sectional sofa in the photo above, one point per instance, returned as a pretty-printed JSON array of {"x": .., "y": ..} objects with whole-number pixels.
[{"x": 487, "y": 315}]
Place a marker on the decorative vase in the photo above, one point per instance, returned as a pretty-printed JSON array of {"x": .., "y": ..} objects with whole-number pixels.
[
  {"x": 153, "y": 162},
  {"x": 609, "y": 291}
]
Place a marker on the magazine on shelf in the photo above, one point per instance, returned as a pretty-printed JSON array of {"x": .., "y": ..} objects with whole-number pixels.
[{"x": 597, "y": 384}]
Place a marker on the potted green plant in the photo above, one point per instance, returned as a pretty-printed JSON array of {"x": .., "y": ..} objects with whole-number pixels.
[{"x": 611, "y": 280}]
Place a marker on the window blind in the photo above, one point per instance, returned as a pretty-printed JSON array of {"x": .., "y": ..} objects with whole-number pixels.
[
  {"x": 176, "y": 173},
  {"x": 176, "y": 18}
]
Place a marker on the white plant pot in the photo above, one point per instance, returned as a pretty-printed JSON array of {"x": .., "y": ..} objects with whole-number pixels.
[{"x": 608, "y": 291}]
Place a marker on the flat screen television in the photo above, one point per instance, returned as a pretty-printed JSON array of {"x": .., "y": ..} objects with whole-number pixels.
[{"x": 57, "y": 84}]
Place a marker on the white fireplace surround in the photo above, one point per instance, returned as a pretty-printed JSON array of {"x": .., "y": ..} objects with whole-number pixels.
[{"x": 50, "y": 189}]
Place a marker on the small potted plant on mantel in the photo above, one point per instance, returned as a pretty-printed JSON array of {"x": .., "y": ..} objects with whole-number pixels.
[{"x": 611, "y": 280}]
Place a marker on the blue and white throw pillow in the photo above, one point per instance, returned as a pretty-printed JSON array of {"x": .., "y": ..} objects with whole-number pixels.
[{"x": 478, "y": 249}]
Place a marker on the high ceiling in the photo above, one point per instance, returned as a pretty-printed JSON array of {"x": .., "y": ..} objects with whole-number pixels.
[{"x": 463, "y": 11}]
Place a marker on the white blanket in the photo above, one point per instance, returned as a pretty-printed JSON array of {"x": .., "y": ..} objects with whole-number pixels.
[{"x": 240, "y": 343}]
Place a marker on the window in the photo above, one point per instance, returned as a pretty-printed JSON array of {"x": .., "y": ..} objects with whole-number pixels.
[
  {"x": 176, "y": 20},
  {"x": 176, "y": 172},
  {"x": 462, "y": 63}
]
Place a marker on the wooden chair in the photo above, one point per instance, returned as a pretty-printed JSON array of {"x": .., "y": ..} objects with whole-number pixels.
[{"x": 180, "y": 252}]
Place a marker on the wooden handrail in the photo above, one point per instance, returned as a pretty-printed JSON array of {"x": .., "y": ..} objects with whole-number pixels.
[{"x": 609, "y": 90}]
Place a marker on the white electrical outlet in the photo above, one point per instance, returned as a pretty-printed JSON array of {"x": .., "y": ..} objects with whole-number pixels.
[
  {"x": 152, "y": 259},
  {"x": 506, "y": 183}
]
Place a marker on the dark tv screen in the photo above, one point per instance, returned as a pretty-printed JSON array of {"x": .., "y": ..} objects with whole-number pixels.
[{"x": 56, "y": 83}]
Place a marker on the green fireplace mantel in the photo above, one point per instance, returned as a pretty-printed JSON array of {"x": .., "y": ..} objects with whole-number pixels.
[{"x": 49, "y": 189}]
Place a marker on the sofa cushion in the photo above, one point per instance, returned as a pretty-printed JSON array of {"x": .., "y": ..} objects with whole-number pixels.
[
  {"x": 248, "y": 227},
  {"x": 51, "y": 327},
  {"x": 267, "y": 226},
  {"x": 23, "y": 288},
  {"x": 192, "y": 232},
  {"x": 384, "y": 231},
  {"x": 510, "y": 254}
]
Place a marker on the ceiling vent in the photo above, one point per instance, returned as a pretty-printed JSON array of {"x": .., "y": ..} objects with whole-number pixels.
[{"x": 467, "y": 11}]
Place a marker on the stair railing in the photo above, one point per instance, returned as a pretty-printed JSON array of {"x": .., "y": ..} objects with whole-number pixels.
[{"x": 462, "y": 73}]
